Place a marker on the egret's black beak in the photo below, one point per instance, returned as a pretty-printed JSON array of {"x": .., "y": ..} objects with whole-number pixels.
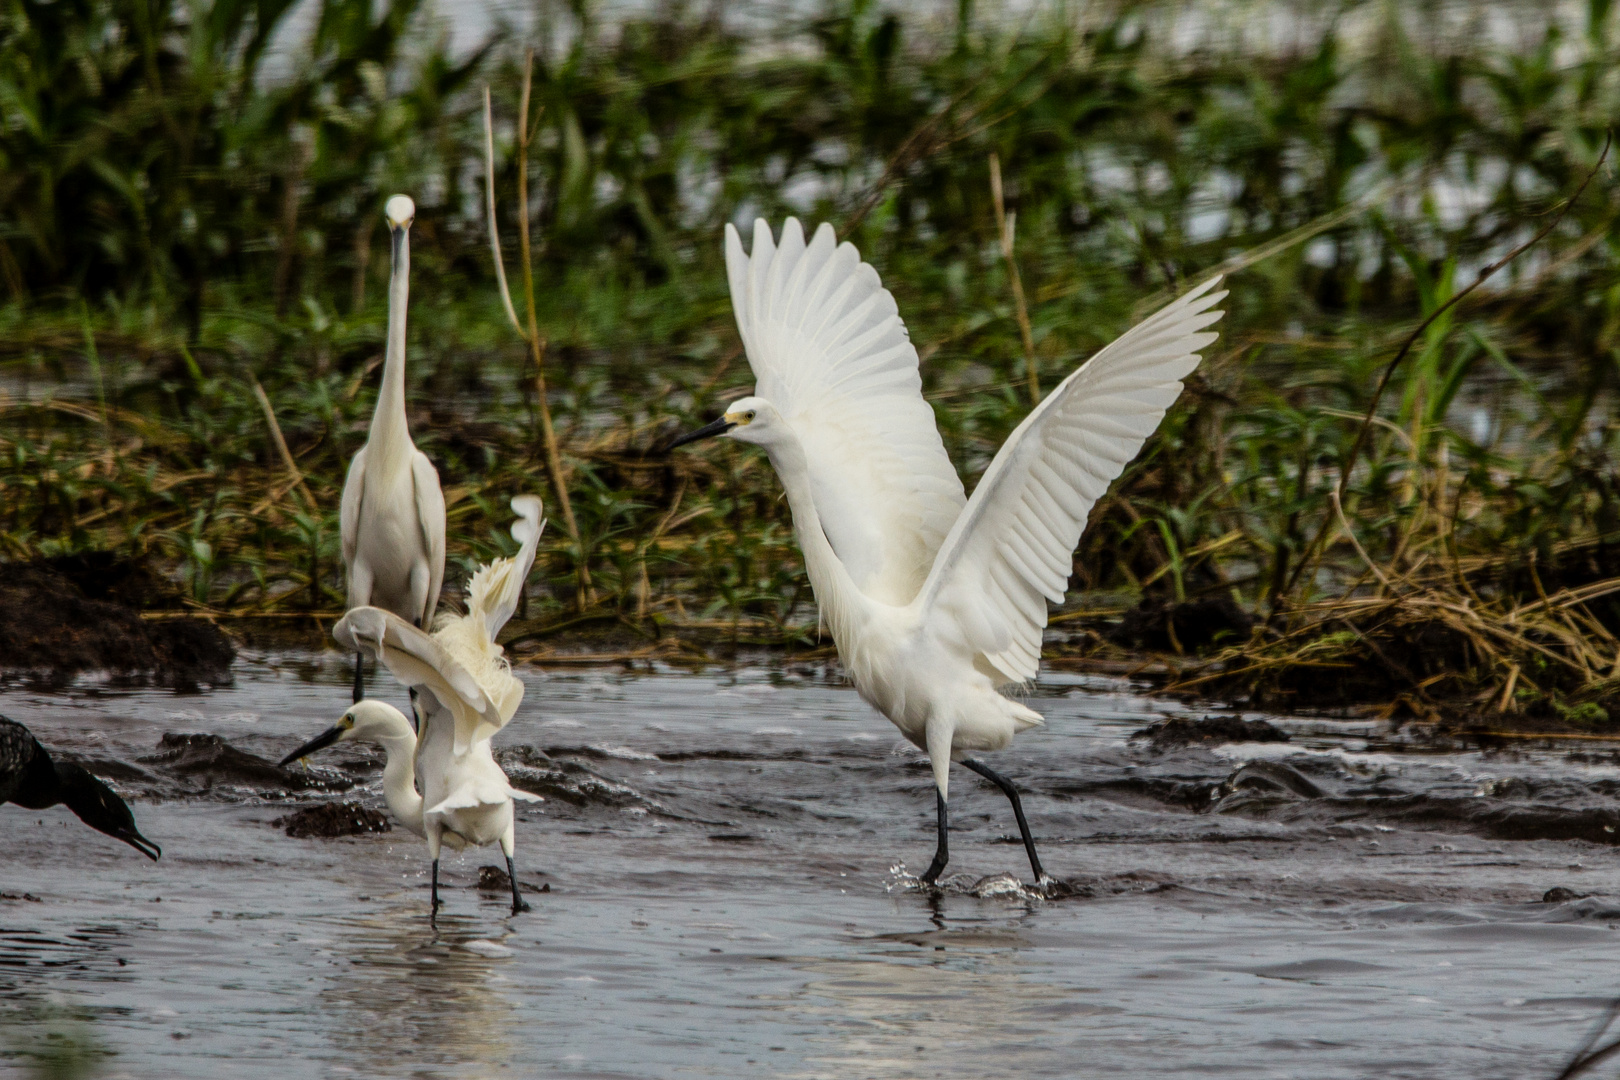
[
  {"x": 396, "y": 242},
  {"x": 719, "y": 427},
  {"x": 138, "y": 842},
  {"x": 319, "y": 742}
]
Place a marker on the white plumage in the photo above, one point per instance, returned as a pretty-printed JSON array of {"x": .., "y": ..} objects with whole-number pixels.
[
  {"x": 935, "y": 602},
  {"x": 826, "y": 343},
  {"x": 392, "y": 515},
  {"x": 465, "y": 693}
]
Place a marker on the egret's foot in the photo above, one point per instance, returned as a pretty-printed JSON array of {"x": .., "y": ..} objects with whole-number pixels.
[{"x": 520, "y": 907}]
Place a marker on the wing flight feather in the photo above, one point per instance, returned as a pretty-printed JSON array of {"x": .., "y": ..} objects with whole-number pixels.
[
  {"x": 1012, "y": 548},
  {"x": 416, "y": 659},
  {"x": 829, "y": 350}
]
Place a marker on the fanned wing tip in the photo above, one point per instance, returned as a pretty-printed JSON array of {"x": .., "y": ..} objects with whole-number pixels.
[
  {"x": 362, "y": 629},
  {"x": 413, "y": 657},
  {"x": 494, "y": 590},
  {"x": 1011, "y": 550},
  {"x": 531, "y": 518},
  {"x": 737, "y": 279}
]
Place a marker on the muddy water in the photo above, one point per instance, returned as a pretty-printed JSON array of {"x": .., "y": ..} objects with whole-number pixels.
[{"x": 721, "y": 851}]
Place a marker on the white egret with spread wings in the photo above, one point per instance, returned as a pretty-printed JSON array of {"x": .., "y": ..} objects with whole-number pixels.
[
  {"x": 444, "y": 784},
  {"x": 392, "y": 517},
  {"x": 936, "y": 602}
]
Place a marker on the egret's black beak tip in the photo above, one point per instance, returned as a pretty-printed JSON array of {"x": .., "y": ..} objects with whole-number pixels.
[
  {"x": 319, "y": 742},
  {"x": 718, "y": 427}
]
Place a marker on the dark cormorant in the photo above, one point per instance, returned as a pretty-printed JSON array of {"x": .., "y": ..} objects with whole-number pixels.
[{"x": 30, "y": 778}]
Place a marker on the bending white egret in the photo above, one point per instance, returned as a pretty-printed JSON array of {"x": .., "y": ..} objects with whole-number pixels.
[
  {"x": 393, "y": 509},
  {"x": 465, "y": 692},
  {"x": 935, "y": 602}
]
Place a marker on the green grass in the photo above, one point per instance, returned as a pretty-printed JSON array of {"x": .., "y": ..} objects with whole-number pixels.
[{"x": 173, "y": 226}]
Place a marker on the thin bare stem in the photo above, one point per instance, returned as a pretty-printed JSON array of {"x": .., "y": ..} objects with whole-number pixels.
[
  {"x": 293, "y": 472},
  {"x": 1005, "y": 224},
  {"x": 1587, "y": 1058},
  {"x": 494, "y": 235},
  {"x": 1350, "y": 534}
]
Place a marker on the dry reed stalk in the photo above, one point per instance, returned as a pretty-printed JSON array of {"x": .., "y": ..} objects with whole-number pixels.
[
  {"x": 293, "y": 473},
  {"x": 1005, "y": 225},
  {"x": 585, "y": 593}
]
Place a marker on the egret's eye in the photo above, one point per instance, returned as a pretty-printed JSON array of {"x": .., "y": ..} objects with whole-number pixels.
[{"x": 748, "y": 417}]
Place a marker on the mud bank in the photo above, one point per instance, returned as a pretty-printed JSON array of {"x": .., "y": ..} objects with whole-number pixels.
[{"x": 63, "y": 618}]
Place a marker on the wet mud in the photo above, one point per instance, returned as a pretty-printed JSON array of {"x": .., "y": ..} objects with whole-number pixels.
[
  {"x": 191, "y": 764},
  {"x": 1179, "y": 731},
  {"x": 63, "y": 618},
  {"x": 493, "y": 879},
  {"x": 330, "y": 820}
]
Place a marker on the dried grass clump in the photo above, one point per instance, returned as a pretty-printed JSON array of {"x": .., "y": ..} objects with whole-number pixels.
[{"x": 1436, "y": 654}]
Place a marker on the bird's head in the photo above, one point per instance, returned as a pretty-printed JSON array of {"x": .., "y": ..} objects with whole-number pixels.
[
  {"x": 99, "y": 807},
  {"x": 400, "y": 212},
  {"x": 749, "y": 419},
  {"x": 368, "y": 721}
]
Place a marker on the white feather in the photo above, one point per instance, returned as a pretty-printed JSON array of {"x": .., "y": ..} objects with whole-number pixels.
[
  {"x": 934, "y": 605},
  {"x": 829, "y": 350}
]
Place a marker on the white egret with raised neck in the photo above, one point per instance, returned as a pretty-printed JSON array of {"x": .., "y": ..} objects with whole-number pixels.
[
  {"x": 935, "y": 601},
  {"x": 392, "y": 517},
  {"x": 444, "y": 784}
]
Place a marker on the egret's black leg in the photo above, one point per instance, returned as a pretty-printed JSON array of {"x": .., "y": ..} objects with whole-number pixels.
[
  {"x": 359, "y": 676},
  {"x": 435, "y": 889},
  {"x": 518, "y": 903},
  {"x": 416, "y": 721},
  {"x": 1018, "y": 812},
  {"x": 942, "y": 854}
]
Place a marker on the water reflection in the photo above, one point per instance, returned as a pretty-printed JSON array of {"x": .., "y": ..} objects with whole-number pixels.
[
  {"x": 408, "y": 995},
  {"x": 922, "y": 998}
]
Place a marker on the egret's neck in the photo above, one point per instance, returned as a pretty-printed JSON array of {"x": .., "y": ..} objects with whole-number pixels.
[
  {"x": 843, "y": 604},
  {"x": 388, "y": 422},
  {"x": 399, "y": 780}
]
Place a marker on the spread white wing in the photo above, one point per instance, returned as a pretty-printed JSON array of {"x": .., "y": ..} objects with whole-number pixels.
[
  {"x": 827, "y": 346},
  {"x": 494, "y": 591},
  {"x": 1012, "y": 549},
  {"x": 416, "y": 659}
]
